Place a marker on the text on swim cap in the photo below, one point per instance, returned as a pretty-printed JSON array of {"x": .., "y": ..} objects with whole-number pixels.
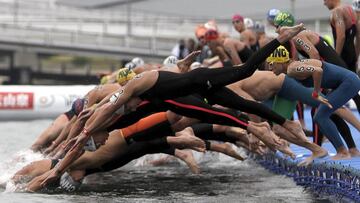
[{"x": 279, "y": 53}]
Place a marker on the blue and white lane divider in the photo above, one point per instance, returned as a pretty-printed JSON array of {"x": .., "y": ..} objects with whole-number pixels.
[{"x": 323, "y": 177}]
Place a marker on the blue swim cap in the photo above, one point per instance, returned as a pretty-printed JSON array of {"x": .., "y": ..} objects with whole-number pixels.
[
  {"x": 78, "y": 106},
  {"x": 272, "y": 14}
]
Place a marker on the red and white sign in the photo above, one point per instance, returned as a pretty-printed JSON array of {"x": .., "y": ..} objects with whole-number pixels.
[
  {"x": 25, "y": 102},
  {"x": 16, "y": 100}
]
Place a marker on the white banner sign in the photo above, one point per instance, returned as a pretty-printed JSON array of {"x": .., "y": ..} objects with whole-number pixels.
[{"x": 38, "y": 102}]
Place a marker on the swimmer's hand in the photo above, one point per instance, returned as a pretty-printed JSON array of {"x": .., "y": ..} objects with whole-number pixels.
[
  {"x": 184, "y": 64},
  {"x": 86, "y": 113},
  {"x": 321, "y": 99},
  {"x": 70, "y": 144},
  {"x": 52, "y": 176},
  {"x": 51, "y": 148},
  {"x": 37, "y": 183}
]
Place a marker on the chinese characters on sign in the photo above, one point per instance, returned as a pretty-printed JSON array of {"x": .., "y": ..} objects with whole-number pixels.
[{"x": 16, "y": 100}]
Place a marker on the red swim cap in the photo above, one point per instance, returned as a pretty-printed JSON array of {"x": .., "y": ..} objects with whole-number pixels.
[
  {"x": 211, "y": 35},
  {"x": 237, "y": 17}
]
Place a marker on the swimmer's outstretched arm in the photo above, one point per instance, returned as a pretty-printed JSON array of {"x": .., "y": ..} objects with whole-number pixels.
[
  {"x": 73, "y": 154},
  {"x": 63, "y": 135},
  {"x": 74, "y": 131},
  {"x": 102, "y": 118}
]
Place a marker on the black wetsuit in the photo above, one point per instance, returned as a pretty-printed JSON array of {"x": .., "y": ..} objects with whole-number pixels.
[
  {"x": 255, "y": 47},
  {"x": 172, "y": 90},
  {"x": 210, "y": 82},
  {"x": 348, "y": 53},
  {"x": 326, "y": 52},
  {"x": 245, "y": 54}
]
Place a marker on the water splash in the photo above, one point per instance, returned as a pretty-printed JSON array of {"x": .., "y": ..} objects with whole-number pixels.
[{"x": 9, "y": 167}]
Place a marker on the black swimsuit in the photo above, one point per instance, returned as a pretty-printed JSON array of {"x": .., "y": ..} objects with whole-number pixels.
[{"x": 348, "y": 53}]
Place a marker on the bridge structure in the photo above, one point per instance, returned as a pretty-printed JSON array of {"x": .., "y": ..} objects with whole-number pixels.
[
  {"x": 30, "y": 29},
  {"x": 34, "y": 28}
]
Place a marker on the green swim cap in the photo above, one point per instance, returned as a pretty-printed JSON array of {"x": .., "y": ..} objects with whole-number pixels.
[
  {"x": 328, "y": 39},
  {"x": 284, "y": 19}
]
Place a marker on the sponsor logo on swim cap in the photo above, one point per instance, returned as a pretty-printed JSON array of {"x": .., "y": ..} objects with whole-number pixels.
[
  {"x": 125, "y": 75},
  {"x": 280, "y": 55},
  {"x": 170, "y": 60},
  {"x": 284, "y": 19}
]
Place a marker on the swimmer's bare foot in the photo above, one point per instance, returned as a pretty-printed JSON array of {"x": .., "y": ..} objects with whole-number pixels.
[
  {"x": 227, "y": 149},
  {"x": 286, "y": 33},
  {"x": 285, "y": 149},
  {"x": 264, "y": 133},
  {"x": 306, "y": 161},
  {"x": 188, "y": 157},
  {"x": 295, "y": 128},
  {"x": 315, "y": 155},
  {"x": 342, "y": 154},
  {"x": 317, "y": 151},
  {"x": 262, "y": 149},
  {"x": 287, "y": 135},
  {"x": 184, "y": 64},
  {"x": 237, "y": 133},
  {"x": 253, "y": 141},
  {"x": 186, "y": 139},
  {"x": 242, "y": 144},
  {"x": 354, "y": 152}
]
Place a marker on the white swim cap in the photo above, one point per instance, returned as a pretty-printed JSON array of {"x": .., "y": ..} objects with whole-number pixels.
[
  {"x": 130, "y": 65},
  {"x": 259, "y": 27},
  {"x": 170, "y": 60},
  {"x": 356, "y": 5},
  {"x": 248, "y": 23},
  {"x": 138, "y": 61},
  {"x": 195, "y": 65}
]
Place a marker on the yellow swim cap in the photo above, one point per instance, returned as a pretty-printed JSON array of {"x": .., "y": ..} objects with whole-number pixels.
[
  {"x": 104, "y": 79},
  {"x": 124, "y": 75},
  {"x": 280, "y": 55},
  {"x": 329, "y": 40}
]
